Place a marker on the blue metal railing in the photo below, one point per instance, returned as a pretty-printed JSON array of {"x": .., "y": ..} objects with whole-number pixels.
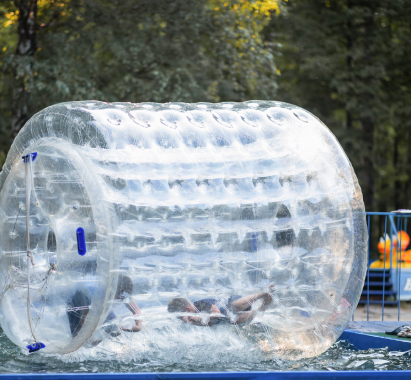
[{"x": 393, "y": 222}]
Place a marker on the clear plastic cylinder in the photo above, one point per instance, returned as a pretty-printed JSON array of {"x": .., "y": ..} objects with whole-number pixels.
[{"x": 192, "y": 201}]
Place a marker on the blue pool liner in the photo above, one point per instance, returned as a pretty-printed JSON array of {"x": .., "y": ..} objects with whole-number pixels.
[
  {"x": 280, "y": 375},
  {"x": 363, "y": 341}
]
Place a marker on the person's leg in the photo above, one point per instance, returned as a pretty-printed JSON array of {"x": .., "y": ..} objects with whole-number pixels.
[{"x": 77, "y": 311}]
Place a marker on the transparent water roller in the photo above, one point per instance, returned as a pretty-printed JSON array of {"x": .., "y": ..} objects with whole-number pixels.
[{"x": 126, "y": 219}]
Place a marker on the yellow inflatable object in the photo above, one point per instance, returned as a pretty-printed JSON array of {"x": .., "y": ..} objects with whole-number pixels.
[{"x": 384, "y": 248}]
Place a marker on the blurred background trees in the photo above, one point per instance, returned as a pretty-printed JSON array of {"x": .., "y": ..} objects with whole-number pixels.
[{"x": 346, "y": 61}]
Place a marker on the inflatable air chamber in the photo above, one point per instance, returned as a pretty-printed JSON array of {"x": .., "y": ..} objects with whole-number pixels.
[{"x": 179, "y": 213}]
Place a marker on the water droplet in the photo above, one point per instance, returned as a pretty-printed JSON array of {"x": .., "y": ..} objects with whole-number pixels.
[
  {"x": 13, "y": 234},
  {"x": 130, "y": 238},
  {"x": 76, "y": 206},
  {"x": 22, "y": 206}
]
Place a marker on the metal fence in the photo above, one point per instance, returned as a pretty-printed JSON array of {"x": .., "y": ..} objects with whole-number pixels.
[{"x": 388, "y": 279}]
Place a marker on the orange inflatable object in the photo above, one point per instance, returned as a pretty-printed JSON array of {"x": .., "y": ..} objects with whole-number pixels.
[
  {"x": 403, "y": 238},
  {"x": 385, "y": 245},
  {"x": 406, "y": 256}
]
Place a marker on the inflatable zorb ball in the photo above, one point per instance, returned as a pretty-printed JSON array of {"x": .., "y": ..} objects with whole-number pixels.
[{"x": 191, "y": 201}]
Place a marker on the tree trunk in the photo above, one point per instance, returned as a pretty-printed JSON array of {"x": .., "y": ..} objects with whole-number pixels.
[
  {"x": 397, "y": 183},
  {"x": 368, "y": 163},
  {"x": 26, "y": 47},
  {"x": 349, "y": 37},
  {"x": 407, "y": 203},
  {"x": 368, "y": 114}
]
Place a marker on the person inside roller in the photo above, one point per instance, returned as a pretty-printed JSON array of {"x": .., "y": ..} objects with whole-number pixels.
[
  {"x": 236, "y": 310},
  {"x": 79, "y": 303}
]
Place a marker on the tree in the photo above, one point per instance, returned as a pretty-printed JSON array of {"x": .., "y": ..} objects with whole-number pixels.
[
  {"x": 345, "y": 61},
  {"x": 127, "y": 50}
]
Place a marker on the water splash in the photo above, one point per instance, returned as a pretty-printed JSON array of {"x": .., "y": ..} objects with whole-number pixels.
[{"x": 139, "y": 353}]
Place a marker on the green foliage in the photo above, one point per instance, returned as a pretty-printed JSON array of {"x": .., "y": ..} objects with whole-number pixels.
[
  {"x": 346, "y": 62},
  {"x": 147, "y": 50},
  {"x": 137, "y": 51},
  {"x": 7, "y": 45}
]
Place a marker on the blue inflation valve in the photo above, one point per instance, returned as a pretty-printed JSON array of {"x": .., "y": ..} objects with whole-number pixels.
[
  {"x": 32, "y": 155},
  {"x": 81, "y": 241},
  {"x": 254, "y": 242},
  {"x": 35, "y": 347}
]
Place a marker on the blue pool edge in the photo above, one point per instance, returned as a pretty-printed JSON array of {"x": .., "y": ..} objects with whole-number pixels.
[
  {"x": 280, "y": 375},
  {"x": 363, "y": 341}
]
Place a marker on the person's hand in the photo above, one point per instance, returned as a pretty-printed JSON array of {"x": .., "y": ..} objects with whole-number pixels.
[
  {"x": 192, "y": 320},
  {"x": 133, "y": 329}
]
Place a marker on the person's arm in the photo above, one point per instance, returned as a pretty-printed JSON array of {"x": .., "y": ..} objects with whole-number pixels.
[
  {"x": 215, "y": 310},
  {"x": 132, "y": 306},
  {"x": 245, "y": 316},
  {"x": 244, "y": 303},
  {"x": 197, "y": 321}
]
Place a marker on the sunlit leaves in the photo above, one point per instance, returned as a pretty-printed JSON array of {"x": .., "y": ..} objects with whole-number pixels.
[{"x": 146, "y": 50}]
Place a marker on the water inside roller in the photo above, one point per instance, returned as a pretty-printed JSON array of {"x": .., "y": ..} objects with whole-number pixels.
[{"x": 154, "y": 355}]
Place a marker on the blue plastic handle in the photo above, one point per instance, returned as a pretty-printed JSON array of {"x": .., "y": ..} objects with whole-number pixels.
[
  {"x": 35, "y": 347},
  {"x": 81, "y": 241},
  {"x": 32, "y": 155}
]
